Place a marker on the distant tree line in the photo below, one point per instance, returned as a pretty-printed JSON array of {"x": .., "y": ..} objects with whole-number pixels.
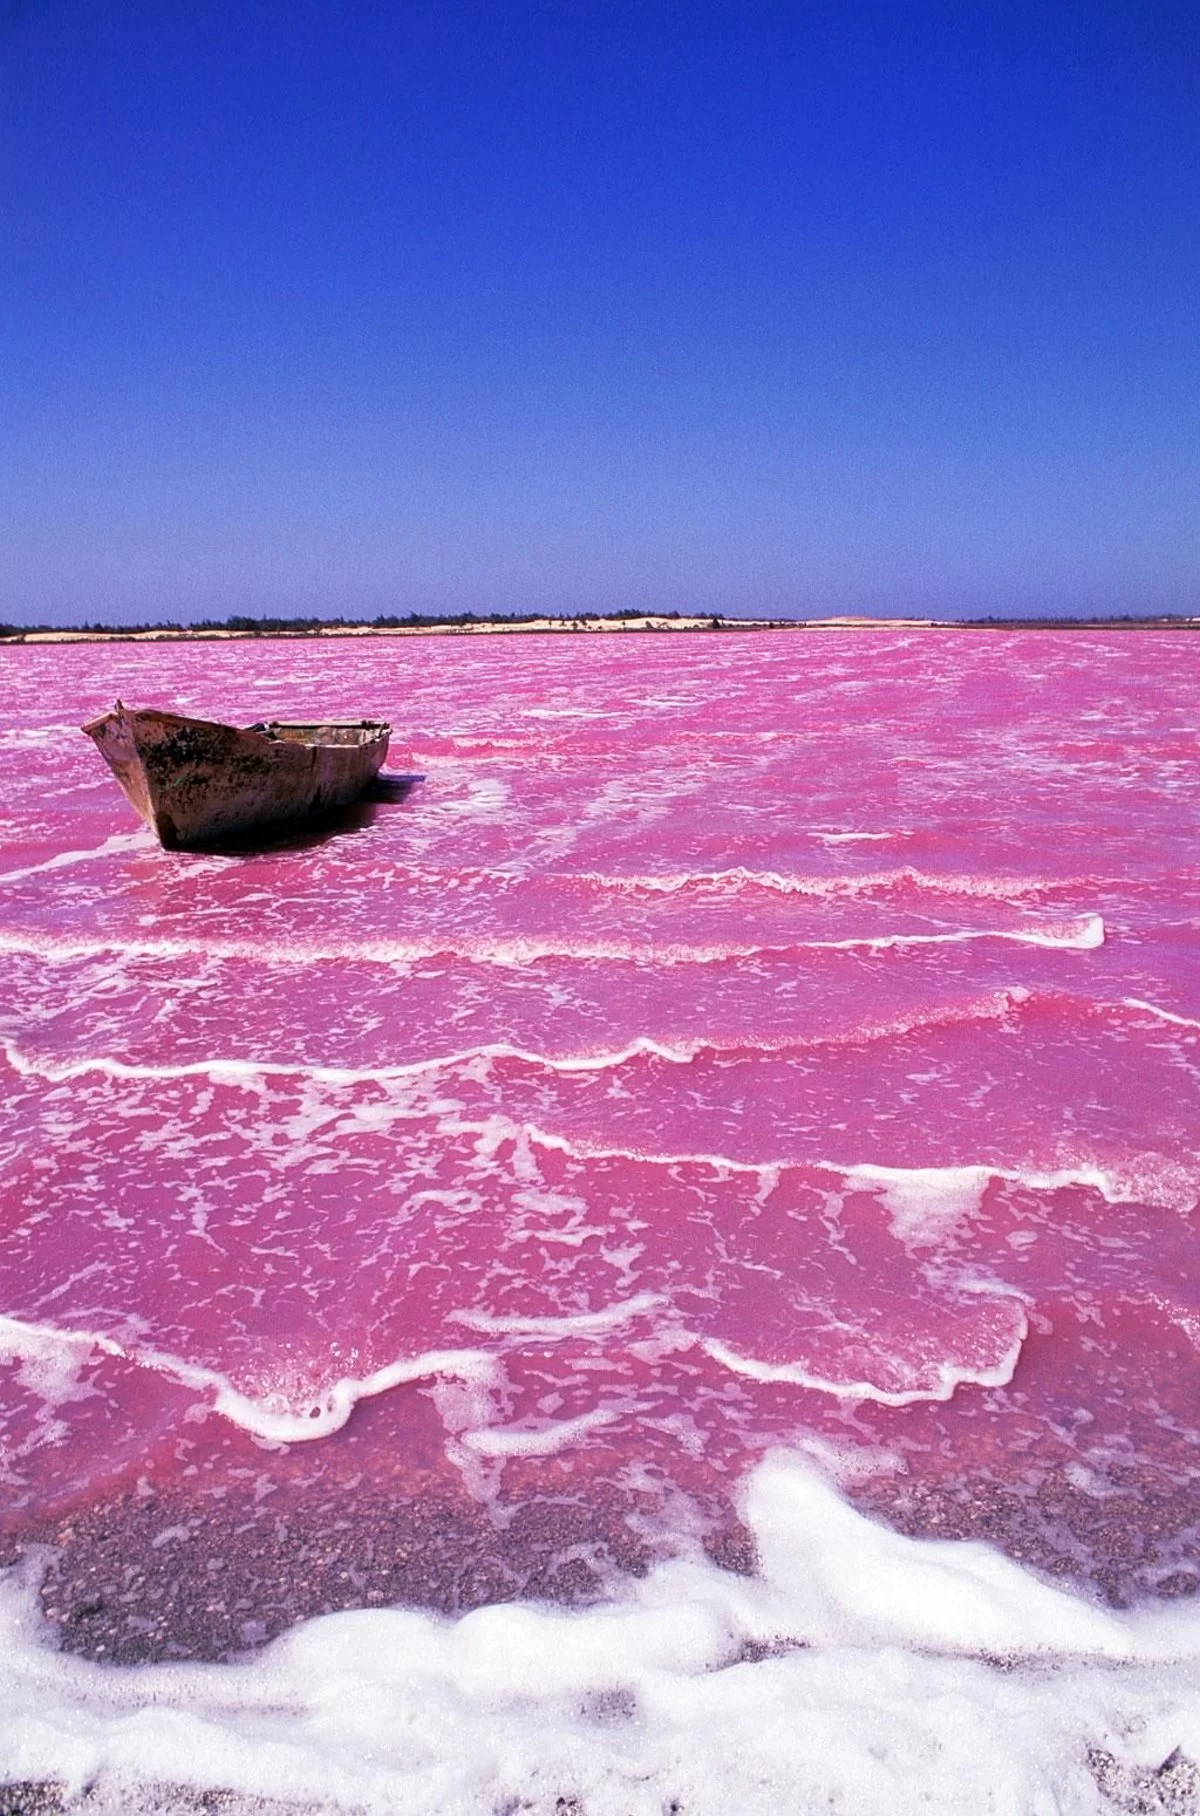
[{"x": 1142, "y": 619}]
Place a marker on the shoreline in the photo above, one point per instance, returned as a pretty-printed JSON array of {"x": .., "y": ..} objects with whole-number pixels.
[
  {"x": 164, "y": 1572},
  {"x": 102, "y": 1561},
  {"x": 555, "y": 627}
]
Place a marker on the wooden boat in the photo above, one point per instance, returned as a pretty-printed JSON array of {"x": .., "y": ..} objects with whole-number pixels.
[{"x": 193, "y": 780}]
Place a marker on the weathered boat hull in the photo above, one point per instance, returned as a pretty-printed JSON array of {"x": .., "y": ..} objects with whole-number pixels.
[{"x": 193, "y": 780}]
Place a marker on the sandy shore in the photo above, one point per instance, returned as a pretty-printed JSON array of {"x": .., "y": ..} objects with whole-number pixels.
[{"x": 527, "y": 627}]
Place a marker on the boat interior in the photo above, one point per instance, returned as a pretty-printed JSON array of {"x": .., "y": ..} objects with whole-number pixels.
[{"x": 326, "y": 731}]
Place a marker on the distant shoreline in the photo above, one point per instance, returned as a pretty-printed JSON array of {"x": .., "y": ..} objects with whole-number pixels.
[{"x": 466, "y": 625}]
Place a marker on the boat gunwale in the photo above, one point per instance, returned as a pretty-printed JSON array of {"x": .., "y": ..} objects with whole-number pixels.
[{"x": 261, "y": 728}]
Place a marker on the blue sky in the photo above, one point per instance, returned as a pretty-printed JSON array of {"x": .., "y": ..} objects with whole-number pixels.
[{"x": 791, "y": 309}]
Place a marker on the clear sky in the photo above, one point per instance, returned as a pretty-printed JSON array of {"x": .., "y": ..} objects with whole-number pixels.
[{"x": 368, "y": 306}]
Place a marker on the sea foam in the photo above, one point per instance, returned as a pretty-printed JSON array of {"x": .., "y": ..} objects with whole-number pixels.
[
  {"x": 860, "y": 1670},
  {"x": 1077, "y": 934}
]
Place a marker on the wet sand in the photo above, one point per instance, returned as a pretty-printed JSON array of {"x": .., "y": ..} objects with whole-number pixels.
[{"x": 145, "y": 1577}]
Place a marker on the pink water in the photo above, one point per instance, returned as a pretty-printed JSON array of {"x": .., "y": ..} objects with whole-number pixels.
[{"x": 734, "y": 1042}]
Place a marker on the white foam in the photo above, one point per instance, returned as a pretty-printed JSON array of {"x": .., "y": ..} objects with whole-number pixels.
[
  {"x": 1114, "y": 1187},
  {"x": 560, "y": 712},
  {"x": 26, "y": 737},
  {"x": 574, "y": 1324},
  {"x": 1164, "y": 1015},
  {"x": 117, "y": 842},
  {"x": 858, "y": 1672},
  {"x": 536, "y": 1441},
  {"x": 482, "y": 798},
  {"x": 1081, "y": 934},
  {"x": 930, "y": 1199},
  {"x": 228, "y": 1070},
  {"x": 926, "y": 1203},
  {"x": 243, "y": 1071},
  {"x": 281, "y": 1412},
  {"x": 275, "y": 1415},
  {"x": 740, "y": 877},
  {"x": 46, "y": 1358},
  {"x": 940, "y": 1382}
]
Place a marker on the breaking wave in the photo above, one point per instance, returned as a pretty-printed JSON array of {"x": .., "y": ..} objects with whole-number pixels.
[{"x": 1082, "y": 933}]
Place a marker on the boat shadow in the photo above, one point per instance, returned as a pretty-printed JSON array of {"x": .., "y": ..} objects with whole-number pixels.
[{"x": 304, "y": 835}]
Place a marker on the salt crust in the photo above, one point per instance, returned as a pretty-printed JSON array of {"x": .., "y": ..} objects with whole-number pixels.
[{"x": 861, "y": 1672}]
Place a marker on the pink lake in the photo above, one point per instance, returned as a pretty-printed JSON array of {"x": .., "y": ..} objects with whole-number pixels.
[{"x": 736, "y": 1047}]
